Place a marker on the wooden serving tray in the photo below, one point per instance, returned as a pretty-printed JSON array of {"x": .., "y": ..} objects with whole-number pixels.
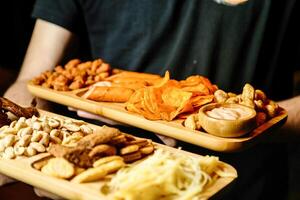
[
  {"x": 174, "y": 129},
  {"x": 21, "y": 169}
]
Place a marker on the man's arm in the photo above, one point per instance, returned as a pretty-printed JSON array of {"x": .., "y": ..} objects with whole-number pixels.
[
  {"x": 46, "y": 48},
  {"x": 291, "y": 129}
]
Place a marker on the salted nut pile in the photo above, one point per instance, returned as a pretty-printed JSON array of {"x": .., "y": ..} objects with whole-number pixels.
[
  {"x": 74, "y": 75},
  {"x": 28, "y": 137},
  {"x": 95, "y": 155}
]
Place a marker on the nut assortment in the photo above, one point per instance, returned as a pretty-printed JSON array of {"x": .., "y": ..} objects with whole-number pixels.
[
  {"x": 74, "y": 75},
  {"x": 95, "y": 155},
  {"x": 251, "y": 97},
  {"x": 28, "y": 137}
]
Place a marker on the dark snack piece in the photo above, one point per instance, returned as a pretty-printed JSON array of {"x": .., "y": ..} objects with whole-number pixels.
[{"x": 17, "y": 110}]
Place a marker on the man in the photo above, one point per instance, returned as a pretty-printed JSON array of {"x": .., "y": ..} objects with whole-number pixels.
[{"x": 184, "y": 37}]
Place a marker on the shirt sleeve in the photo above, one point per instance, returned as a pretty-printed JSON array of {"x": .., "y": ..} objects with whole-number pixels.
[{"x": 64, "y": 13}]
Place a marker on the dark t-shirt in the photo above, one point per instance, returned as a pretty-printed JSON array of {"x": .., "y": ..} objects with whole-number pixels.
[{"x": 227, "y": 44}]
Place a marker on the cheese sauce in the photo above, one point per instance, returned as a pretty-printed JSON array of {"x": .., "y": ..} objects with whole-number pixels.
[{"x": 227, "y": 113}]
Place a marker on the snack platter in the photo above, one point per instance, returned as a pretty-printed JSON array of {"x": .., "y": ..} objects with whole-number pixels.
[
  {"x": 22, "y": 170},
  {"x": 174, "y": 129}
]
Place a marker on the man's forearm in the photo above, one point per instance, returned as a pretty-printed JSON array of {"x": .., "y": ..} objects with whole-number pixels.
[
  {"x": 292, "y": 126},
  {"x": 46, "y": 48}
]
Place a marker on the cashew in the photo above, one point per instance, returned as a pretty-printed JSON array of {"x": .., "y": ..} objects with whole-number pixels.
[
  {"x": 20, "y": 124},
  {"x": 78, "y": 134},
  {"x": 37, "y": 146},
  {"x": 9, "y": 130},
  {"x": 28, "y": 122},
  {"x": 46, "y": 127},
  {"x": 37, "y": 126},
  {"x": 25, "y": 131},
  {"x": 8, "y": 140},
  {"x": 55, "y": 139},
  {"x": 55, "y": 133},
  {"x": 34, "y": 118},
  {"x": 86, "y": 129},
  {"x": 24, "y": 141},
  {"x": 72, "y": 127},
  {"x": 9, "y": 153},
  {"x": 53, "y": 123},
  {"x": 2, "y": 147},
  {"x": 22, "y": 120},
  {"x": 12, "y": 124},
  {"x": 19, "y": 150},
  {"x": 45, "y": 139},
  {"x": 36, "y": 136},
  {"x": 192, "y": 122},
  {"x": 29, "y": 151},
  {"x": 65, "y": 134},
  {"x": 71, "y": 140},
  {"x": 220, "y": 96}
]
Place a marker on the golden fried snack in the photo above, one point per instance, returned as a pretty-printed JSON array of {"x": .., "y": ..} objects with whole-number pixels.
[
  {"x": 135, "y": 75},
  {"x": 101, "y": 136},
  {"x": 110, "y": 94},
  {"x": 147, "y": 149},
  {"x": 103, "y": 150},
  {"x": 106, "y": 159},
  {"x": 132, "y": 157},
  {"x": 40, "y": 163},
  {"x": 74, "y": 75},
  {"x": 129, "y": 149},
  {"x": 91, "y": 174},
  {"x": 96, "y": 173},
  {"x": 59, "y": 167}
]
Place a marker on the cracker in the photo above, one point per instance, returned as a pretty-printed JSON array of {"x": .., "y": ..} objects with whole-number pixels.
[{"x": 59, "y": 167}]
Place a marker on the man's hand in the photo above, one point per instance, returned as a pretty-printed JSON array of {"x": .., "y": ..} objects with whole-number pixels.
[
  {"x": 291, "y": 129},
  {"x": 231, "y": 2}
]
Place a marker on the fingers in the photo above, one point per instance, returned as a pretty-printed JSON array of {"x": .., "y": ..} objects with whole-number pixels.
[
  {"x": 167, "y": 140},
  {"x": 88, "y": 115},
  {"x": 43, "y": 193},
  {"x": 6, "y": 180},
  {"x": 72, "y": 109}
]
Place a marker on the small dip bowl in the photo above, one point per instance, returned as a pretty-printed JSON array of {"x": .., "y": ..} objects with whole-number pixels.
[{"x": 227, "y": 120}]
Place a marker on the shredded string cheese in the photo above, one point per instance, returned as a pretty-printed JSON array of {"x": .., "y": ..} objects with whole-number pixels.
[{"x": 165, "y": 175}]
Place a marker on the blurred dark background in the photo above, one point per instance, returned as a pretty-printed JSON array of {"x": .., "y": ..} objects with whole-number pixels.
[
  {"x": 16, "y": 28},
  {"x": 280, "y": 47}
]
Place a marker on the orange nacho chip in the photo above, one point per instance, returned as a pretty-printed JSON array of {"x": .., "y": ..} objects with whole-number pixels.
[{"x": 167, "y": 99}]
